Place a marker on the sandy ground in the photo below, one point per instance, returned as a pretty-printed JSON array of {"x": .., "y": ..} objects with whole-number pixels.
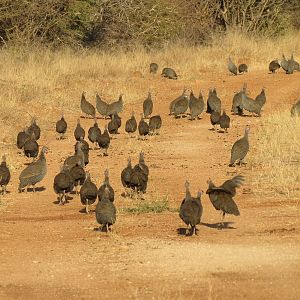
[{"x": 50, "y": 251}]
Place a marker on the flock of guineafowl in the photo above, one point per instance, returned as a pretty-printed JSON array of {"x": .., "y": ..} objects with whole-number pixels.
[{"x": 73, "y": 175}]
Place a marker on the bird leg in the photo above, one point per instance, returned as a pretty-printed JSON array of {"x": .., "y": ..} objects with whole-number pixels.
[
  {"x": 87, "y": 207},
  {"x": 107, "y": 230},
  {"x": 105, "y": 152},
  {"x": 33, "y": 187},
  {"x": 222, "y": 221}
]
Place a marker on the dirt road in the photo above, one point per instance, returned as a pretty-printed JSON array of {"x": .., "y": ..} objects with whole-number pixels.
[{"x": 50, "y": 251}]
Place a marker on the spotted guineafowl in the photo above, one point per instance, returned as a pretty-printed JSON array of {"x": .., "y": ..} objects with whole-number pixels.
[
  {"x": 251, "y": 105},
  {"x": 173, "y": 102},
  {"x": 231, "y": 66},
  {"x": 94, "y": 133},
  {"x": 153, "y": 68},
  {"x": 240, "y": 149},
  {"x": 148, "y": 106},
  {"x": 215, "y": 119},
  {"x": 125, "y": 177},
  {"x": 102, "y": 106},
  {"x": 181, "y": 106},
  {"x": 61, "y": 127},
  {"x": 196, "y": 105},
  {"x": 169, "y": 73},
  {"x": 116, "y": 107},
  {"x": 213, "y": 102},
  {"x": 31, "y": 147},
  {"x": 106, "y": 184},
  {"x": 139, "y": 176},
  {"x": 4, "y": 175},
  {"x": 143, "y": 128},
  {"x": 22, "y": 137},
  {"x": 76, "y": 159},
  {"x": 104, "y": 141},
  {"x": 237, "y": 101},
  {"x": 34, "y": 128},
  {"x": 88, "y": 192},
  {"x": 77, "y": 173},
  {"x": 243, "y": 68},
  {"x": 87, "y": 108},
  {"x": 191, "y": 210},
  {"x": 84, "y": 145},
  {"x": 155, "y": 123},
  {"x": 131, "y": 125},
  {"x": 63, "y": 185},
  {"x": 274, "y": 66},
  {"x": 113, "y": 125},
  {"x": 224, "y": 121},
  {"x": 222, "y": 197},
  {"x": 105, "y": 211},
  {"x": 34, "y": 173},
  {"x": 79, "y": 132}
]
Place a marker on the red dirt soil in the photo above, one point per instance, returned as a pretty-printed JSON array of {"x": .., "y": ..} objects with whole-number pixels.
[{"x": 50, "y": 251}]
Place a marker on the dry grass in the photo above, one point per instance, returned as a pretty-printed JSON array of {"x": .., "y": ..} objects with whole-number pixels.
[{"x": 277, "y": 156}]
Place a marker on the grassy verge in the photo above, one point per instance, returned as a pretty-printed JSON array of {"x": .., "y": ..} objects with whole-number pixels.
[{"x": 277, "y": 156}]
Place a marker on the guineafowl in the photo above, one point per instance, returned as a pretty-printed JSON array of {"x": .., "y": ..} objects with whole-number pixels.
[
  {"x": 31, "y": 147},
  {"x": 143, "y": 128},
  {"x": 104, "y": 141},
  {"x": 169, "y": 73},
  {"x": 243, "y": 68},
  {"x": 215, "y": 119},
  {"x": 105, "y": 211},
  {"x": 63, "y": 184},
  {"x": 191, "y": 210},
  {"x": 261, "y": 97},
  {"x": 237, "y": 101},
  {"x": 295, "y": 110},
  {"x": 85, "y": 149},
  {"x": 116, "y": 107},
  {"x": 196, "y": 105},
  {"x": 148, "y": 106},
  {"x": 77, "y": 173},
  {"x": 61, "y": 127},
  {"x": 231, "y": 66},
  {"x": 102, "y": 106},
  {"x": 88, "y": 192},
  {"x": 292, "y": 65},
  {"x": 79, "y": 132},
  {"x": 117, "y": 119},
  {"x": 181, "y": 106},
  {"x": 94, "y": 133},
  {"x": 35, "y": 129},
  {"x": 240, "y": 148},
  {"x": 155, "y": 124},
  {"x": 172, "y": 103},
  {"x": 87, "y": 108},
  {"x": 22, "y": 137},
  {"x": 284, "y": 63},
  {"x": 125, "y": 177},
  {"x": 139, "y": 176},
  {"x": 131, "y": 125},
  {"x": 4, "y": 175},
  {"x": 251, "y": 105},
  {"x": 213, "y": 102},
  {"x": 222, "y": 197},
  {"x": 274, "y": 66},
  {"x": 76, "y": 159},
  {"x": 106, "y": 184},
  {"x": 224, "y": 121},
  {"x": 153, "y": 68},
  {"x": 34, "y": 173},
  {"x": 113, "y": 125}
]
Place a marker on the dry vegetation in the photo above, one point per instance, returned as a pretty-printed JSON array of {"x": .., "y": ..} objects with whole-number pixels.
[{"x": 277, "y": 156}]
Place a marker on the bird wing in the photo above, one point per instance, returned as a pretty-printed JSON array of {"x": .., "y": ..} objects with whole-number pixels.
[{"x": 229, "y": 186}]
